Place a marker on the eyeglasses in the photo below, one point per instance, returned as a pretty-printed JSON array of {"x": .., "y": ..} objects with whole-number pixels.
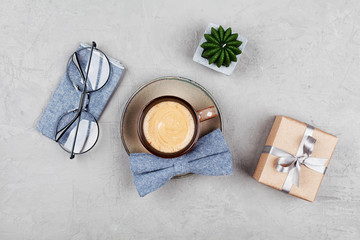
[{"x": 77, "y": 130}]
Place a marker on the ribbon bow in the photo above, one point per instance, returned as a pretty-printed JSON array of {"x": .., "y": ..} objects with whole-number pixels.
[
  {"x": 292, "y": 164},
  {"x": 210, "y": 156}
]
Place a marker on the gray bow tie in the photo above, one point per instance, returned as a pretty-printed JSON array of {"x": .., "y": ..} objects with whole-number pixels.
[{"x": 210, "y": 156}]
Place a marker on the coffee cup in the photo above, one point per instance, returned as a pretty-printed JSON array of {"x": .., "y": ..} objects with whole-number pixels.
[{"x": 168, "y": 126}]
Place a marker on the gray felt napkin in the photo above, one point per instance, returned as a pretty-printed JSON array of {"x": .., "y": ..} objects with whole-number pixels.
[{"x": 66, "y": 98}]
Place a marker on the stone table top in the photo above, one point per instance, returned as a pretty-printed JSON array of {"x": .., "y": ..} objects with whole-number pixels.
[{"x": 301, "y": 60}]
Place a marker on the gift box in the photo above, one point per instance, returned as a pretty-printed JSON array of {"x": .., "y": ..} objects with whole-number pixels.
[{"x": 295, "y": 158}]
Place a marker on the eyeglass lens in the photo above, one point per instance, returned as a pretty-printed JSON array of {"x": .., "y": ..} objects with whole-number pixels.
[
  {"x": 99, "y": 70},
  {"x": 87, "y": 134}
]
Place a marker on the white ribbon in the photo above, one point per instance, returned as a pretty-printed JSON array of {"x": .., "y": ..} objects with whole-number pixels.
[{"x": 292, "y": 164}]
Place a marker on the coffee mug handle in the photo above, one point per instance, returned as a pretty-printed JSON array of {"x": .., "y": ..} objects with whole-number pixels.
[{"x": 207, "y": 113}]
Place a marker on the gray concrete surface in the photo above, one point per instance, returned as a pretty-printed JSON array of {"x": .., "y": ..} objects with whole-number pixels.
[{"x": 302, "y": 60}]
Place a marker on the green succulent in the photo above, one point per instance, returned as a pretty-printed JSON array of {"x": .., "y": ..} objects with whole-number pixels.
[{"x": 221, "y": 47}]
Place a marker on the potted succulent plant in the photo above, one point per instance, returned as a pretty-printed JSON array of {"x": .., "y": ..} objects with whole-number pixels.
[{"x": 220, "y": 49}]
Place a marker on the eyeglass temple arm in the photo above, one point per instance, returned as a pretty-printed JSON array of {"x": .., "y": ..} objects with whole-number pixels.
[
  {"x": 72, "y": 155},
  {"x": 59, "y": 134}
]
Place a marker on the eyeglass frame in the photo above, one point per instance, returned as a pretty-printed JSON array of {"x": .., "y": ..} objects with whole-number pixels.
[{"x": 84, "y": 93}]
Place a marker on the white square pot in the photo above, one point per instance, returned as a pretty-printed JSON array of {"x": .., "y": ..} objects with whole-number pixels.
[{"x": 203, "y": 61}]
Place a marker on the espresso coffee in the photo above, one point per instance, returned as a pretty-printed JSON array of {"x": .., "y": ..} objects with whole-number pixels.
[{"x": 168, "y": 126}]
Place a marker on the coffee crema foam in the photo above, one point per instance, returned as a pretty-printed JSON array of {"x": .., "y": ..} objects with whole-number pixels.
[{"x": 168, "y": 126}]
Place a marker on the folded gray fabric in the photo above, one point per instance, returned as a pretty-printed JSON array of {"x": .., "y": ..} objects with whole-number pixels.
[
  {"x": 66, "y": 98},
  {"x": 210, "y": 156}
]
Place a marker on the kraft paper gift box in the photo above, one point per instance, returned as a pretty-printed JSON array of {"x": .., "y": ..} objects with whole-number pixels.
[{"x": 288, "y": 137}]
